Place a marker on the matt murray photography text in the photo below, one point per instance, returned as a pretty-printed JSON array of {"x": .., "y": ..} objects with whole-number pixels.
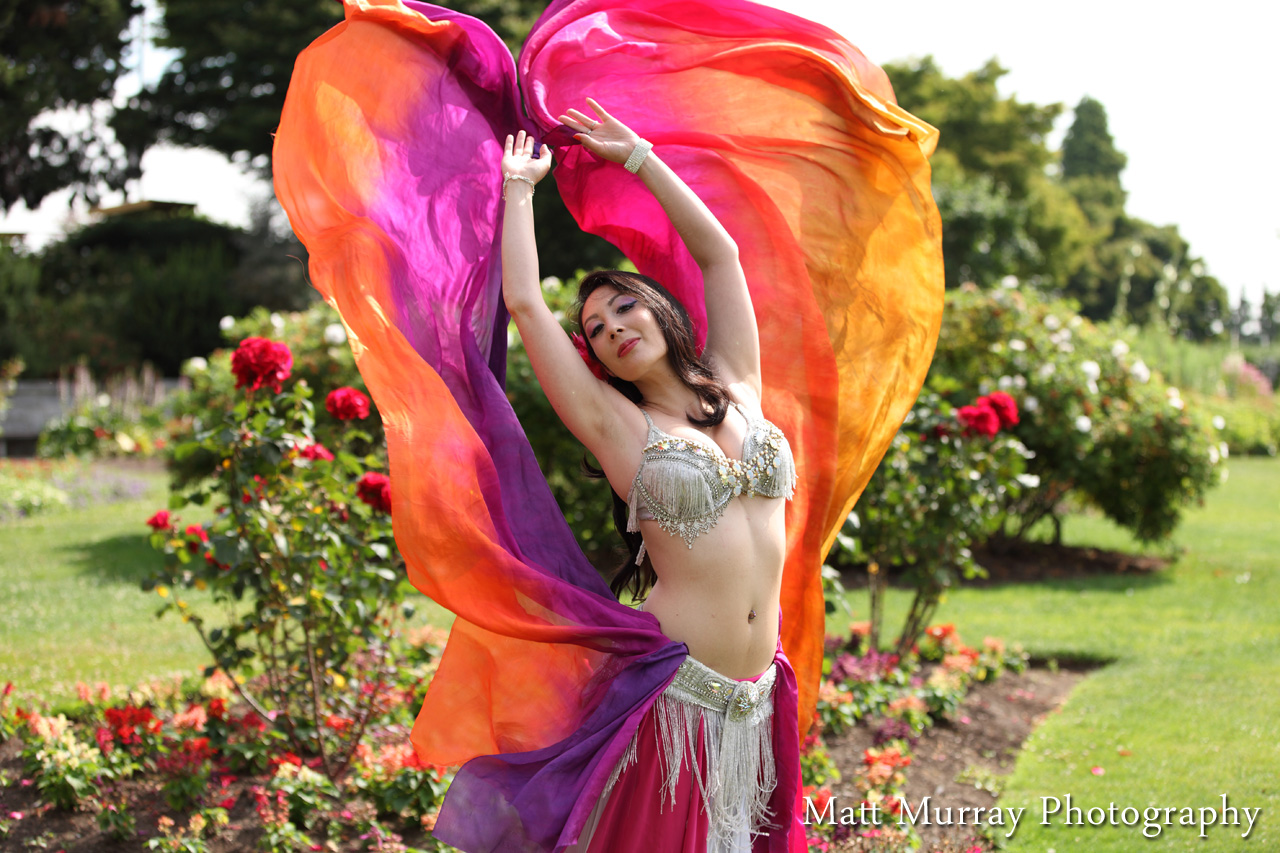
[{"x": 1061, "y": 811}]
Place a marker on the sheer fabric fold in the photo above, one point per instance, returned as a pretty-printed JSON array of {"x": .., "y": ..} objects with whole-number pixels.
[{"x": 387, "y": 162}]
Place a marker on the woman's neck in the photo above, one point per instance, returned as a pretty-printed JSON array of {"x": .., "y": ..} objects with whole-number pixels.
[{"x": 673, "y": 399}]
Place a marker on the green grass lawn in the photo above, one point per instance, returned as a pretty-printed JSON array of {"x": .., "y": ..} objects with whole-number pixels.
[
  {"x": 72, "y": 606},
  {"x": 1189, "y": 708}
]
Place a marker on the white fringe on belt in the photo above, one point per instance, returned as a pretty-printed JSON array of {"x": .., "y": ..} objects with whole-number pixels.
[{"x": 737, "y": 775}]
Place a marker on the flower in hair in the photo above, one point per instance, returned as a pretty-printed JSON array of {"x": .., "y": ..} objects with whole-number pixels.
[{"x": 580, "y": 343}]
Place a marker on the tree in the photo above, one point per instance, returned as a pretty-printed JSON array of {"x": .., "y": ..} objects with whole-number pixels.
[
  {"x": 226, "y": 89},
  {"x": 144, "y": 286},
  {"x": 1001, "y": 213},
  {"x": 1088, "y": 149},
  {"x": 58, "y": 56},
  {"x": 1270, "y": 317}
]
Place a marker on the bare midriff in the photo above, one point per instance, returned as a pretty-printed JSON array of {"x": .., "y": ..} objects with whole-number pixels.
[{"x": 704, "y": 596}]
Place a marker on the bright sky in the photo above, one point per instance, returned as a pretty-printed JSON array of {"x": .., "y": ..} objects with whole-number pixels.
[{"x": 1185, "y": 88}]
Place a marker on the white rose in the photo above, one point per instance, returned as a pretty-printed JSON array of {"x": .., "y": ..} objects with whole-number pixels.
[
  {"x": 335, "y": 334},
  {"x": 1017, "y": 345},
  {"x": 1083, "y": 423},
  {"x": 1030, "y": 404},
  {"x": 1219, "y": 422},
  {"x": 1213, "y": 455},
  {"x": 1224, "y": 450},
  {"x": 1090, "y": 369},
  {"x": 1119, "y": 348},
  {"x": 277, "y": 322},
  {"x": 197, "y": 365},
  {"x": 1004, "y": 383},
  {"x": 1176, "y": 402},
  {"x": 1052, "y": 323},
  {"x": 1029, "y": 480},
  {"x": 1140, "y": 372},
  {"x": 1009, "y": 281},
  {"x": 226, "y": 323},
  {"x": 1046, "y": 370}
]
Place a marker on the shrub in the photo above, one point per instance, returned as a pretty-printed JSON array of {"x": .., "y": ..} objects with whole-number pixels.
[
  {"x": 1248, "y": 427},
  {"x": 941, "y": 488},
  {"x": 1095, "y": 416},
  {"x": 308, "y": 570},
  {"x": 317, "y": 344}
]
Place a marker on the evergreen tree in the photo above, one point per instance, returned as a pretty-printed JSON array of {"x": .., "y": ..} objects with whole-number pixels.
[{"x": 1088, "y": 149}]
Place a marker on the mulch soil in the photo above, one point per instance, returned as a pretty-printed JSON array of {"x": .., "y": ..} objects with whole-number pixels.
[
  {"x": 981, "y": 740},
  {"x": 979, "y": 743}
]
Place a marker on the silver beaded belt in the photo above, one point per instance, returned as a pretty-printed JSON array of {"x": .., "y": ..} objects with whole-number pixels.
[{"x": 739, "y": 701}]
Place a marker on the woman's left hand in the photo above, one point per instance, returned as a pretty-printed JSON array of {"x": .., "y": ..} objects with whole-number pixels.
[{"x": 604, "y": 136}]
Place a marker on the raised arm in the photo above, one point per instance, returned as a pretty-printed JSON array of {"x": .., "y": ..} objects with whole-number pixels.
[
  {"x": 733, "y": 340},
  {"x": 594, "y": 412}
]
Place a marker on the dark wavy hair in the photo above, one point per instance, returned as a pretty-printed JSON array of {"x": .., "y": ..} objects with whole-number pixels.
[{"x": 692, "y": 369}]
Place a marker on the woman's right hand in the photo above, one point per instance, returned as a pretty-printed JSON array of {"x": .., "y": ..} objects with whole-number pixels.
[{"x": 518, "y": 159}]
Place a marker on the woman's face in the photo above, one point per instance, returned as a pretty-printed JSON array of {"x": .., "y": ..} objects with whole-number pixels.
[{"x": 623, "y": 332}]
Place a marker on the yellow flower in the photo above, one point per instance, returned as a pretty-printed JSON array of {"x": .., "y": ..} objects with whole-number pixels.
[
  {"x": 226, "y": 463},
  {"x": 162, "y": 591},
  {"x": 200, "y": 584},
  {"x": 316, "y": 594},
  {"x": 338, "y": 681},
  {"x": 182, "y": 605}
]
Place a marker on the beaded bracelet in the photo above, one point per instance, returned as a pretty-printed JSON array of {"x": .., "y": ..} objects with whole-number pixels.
[
  {"x": 532, "y": 189},
  {"x": 642, "y": 149}
]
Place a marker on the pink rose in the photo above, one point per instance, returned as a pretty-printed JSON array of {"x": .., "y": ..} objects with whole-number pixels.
[
  {"x": 316, "y": 451},
  {"x": 584, "y": 350}
]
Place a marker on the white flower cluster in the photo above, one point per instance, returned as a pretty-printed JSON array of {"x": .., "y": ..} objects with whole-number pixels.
[
  {"x": 67, "y": 753},
  {"x": 335, "y": 334}
]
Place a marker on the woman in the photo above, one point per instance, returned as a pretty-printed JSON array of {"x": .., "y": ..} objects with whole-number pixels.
[
  {"x": 551, "y": 695},
  {"x": 705, "y": 476}
]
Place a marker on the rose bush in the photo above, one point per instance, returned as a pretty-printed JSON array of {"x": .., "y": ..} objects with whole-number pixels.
[
  {"x": 941, "y": 488},
  {"x": 1103, "y": 426},
  {"x": 301, "y": 552},
  {"x": 320, "y": 358}
]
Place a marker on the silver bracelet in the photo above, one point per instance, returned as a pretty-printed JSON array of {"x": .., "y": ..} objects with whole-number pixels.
[
  {"x": 532, "y": 189},
  {"x": 641, "y": 151}
]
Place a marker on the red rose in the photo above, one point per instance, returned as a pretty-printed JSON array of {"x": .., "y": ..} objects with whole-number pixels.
[
  {"x": 979, "y": 418},
  {"x": 584, "y": 350},
  {"x": 200, "y": 533},
  {"x": 258, "y": 363},
  {"x": 316, "y": 451},
  {"x": 1006, "y": 408},
  {"x": 159, "y": 521},
  {"x": 347, "y": 404},
  {"x": 375, "y": 490}
]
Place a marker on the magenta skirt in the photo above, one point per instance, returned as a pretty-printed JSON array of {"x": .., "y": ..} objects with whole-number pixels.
[{"x": 700, "y": 776}]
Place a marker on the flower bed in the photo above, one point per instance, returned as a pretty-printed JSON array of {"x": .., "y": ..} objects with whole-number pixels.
[
  {"x": 184, "y": 765},
  {"x": 896, "y": 700}
]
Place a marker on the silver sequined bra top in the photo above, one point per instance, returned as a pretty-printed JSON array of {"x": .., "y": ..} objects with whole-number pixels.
[{"x": 685, "y": 484}]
